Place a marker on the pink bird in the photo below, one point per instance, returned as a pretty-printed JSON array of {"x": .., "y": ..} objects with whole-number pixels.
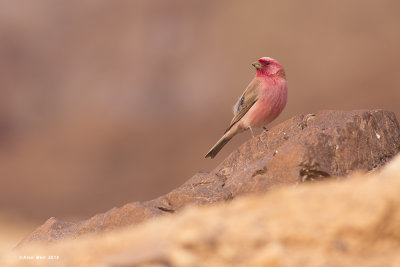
[{"x": 262, "y": 101}]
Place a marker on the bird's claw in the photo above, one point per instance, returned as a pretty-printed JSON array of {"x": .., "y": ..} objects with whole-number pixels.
[{"x": 252, "y": 133}]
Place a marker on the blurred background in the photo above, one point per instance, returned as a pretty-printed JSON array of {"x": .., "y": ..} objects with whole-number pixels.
[{"x": 108, "y": 102}]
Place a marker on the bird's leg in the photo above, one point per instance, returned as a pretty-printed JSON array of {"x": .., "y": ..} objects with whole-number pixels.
[{"x": 251, "y": 130}]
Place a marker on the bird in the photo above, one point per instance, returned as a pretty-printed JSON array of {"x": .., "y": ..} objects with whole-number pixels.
[{"x": 261, "y": 102}]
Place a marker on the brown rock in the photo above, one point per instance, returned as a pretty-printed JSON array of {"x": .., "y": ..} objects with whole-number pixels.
[
  {"x": 304, "y": 148},
  {"x": 324, "y": 224}
]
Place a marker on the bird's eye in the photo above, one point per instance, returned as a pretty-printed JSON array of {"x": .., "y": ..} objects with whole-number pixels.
[{"x": 266, "y": 63}]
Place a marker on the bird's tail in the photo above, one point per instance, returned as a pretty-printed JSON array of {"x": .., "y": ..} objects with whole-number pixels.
[{"x": 220, "y": 144}]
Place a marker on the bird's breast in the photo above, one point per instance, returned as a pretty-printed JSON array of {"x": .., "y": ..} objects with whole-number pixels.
[{"x": 271, "y": 102}]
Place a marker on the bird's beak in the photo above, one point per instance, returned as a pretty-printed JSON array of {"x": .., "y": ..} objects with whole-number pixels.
[{"x": 257, "y": 65}]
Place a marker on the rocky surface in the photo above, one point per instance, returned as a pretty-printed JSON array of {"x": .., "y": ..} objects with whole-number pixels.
[
  {"x": 352, "y": 222},
  {"x": 305, "y": 148}
]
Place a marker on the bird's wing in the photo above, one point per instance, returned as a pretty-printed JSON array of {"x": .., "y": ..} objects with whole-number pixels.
[{"x": 245, "y": 102}]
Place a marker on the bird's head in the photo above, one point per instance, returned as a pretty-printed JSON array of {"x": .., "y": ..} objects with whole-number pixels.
[{"x": 267, "y": 66}]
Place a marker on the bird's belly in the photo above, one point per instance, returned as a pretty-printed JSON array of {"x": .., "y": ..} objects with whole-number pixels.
[{"x": 265, "y": 110}]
